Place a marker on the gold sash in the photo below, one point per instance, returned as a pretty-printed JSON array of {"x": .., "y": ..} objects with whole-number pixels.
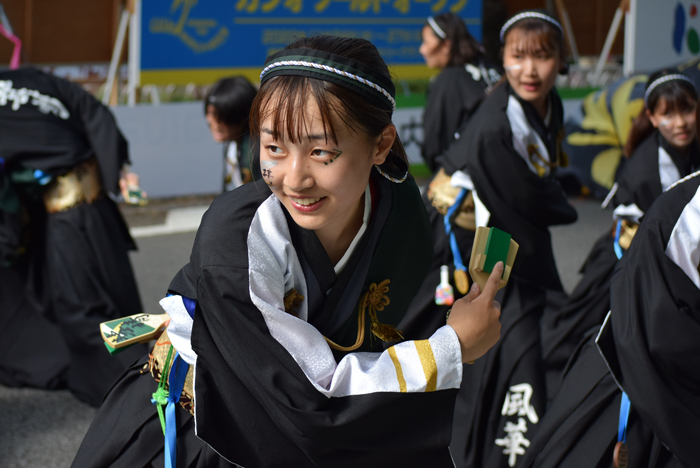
[
  {"x": 442, "y": 195},
  {"x": 155, "y": 366},
  {"x": 80, "y": 185}
]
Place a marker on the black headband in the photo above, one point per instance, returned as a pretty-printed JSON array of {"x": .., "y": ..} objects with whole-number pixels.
[{"x": 337, "y": 69}]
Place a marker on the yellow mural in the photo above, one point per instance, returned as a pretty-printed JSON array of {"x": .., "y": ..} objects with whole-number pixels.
[{"x": 191, "y": 31}]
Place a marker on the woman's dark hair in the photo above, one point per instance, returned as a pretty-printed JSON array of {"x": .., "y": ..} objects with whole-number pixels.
[
  {"x": 232, "y": 99},
  {"x": 545, "y": 37},
  {"x": 283, "y": 98},
  {"x": 464, "y": 48},
  {"x": 675, "y": 95}
]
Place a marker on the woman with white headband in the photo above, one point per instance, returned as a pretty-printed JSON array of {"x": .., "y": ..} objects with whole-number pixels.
[
  {"x": 662, "y": 148},
  {"x": 283, "y": 333},
  {"x": 453, "y": 95},
  {"x": 505, "y": 164}
]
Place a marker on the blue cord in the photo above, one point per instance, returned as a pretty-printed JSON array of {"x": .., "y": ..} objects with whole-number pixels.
[
  {"x": 616, "y": 245},
  {"x": 176, "y": 382},
  {"x": 624, "y": 417},
  {"x": 448, "y": 229}
]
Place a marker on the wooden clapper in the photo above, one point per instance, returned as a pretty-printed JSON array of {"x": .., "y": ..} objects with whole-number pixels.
[
  {"x": 121, "y": 333},
  {"x": 491, "y": 245}
]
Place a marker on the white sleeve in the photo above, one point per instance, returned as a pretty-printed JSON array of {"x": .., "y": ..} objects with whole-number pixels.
[{"x": 180, "y": 327}]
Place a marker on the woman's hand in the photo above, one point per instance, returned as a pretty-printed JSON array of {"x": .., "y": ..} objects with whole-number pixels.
[
  {"x": 475, "y": 318},
  {"x": 129, "y": 186}
]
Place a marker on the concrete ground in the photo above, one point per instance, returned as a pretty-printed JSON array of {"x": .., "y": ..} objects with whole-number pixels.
[{"x": 44, "y": 429}]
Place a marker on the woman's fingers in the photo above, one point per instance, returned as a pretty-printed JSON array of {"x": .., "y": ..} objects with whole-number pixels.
[
  {"x": 473, "y": 292},
  {"x": 475, "y": 318},
  {"x": 492, "y": 284}
]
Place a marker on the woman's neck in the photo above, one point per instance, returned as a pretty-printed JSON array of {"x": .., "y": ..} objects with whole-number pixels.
[
  {"x": 542, "y": 107},
  {"x": 336, "y": 241}
]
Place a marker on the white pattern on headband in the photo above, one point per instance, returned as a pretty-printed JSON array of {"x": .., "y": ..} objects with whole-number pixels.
[
  {"x": 529, "y": 14},
  {"x": 298, "y": 63},
  {"x": 438, "y": 30},
  {"x": 662, "y": 80}
]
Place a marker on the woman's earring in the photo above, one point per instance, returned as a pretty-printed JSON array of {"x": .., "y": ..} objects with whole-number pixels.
[{"x": 398, "y": 163}]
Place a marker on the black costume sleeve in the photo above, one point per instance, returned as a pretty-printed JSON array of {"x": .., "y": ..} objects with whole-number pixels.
[
  {"x": 655, "y": 350},
  {"x": 520, "y": 202},
  {"x": 638, "y": 182},
  {"x": 108, "y": 143},
  {"x": 452, "y": 99}
]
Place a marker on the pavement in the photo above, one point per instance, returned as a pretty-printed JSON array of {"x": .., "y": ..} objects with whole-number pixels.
[{"x": 44, "y": 429}]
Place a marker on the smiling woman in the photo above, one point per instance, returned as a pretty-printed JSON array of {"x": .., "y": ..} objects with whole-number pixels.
[
  {"x": 507, "y": 158},
  {"x": 284, "y": 323}
]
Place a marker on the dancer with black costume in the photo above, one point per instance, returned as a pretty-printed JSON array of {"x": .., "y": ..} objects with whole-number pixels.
[
  {"x": 227, "y": 107},
  {"x": 466, "y": 75},
  {"x": 64, "y": 245},
  {"x": 283, "y": 323},
  {"x": 662, "y": 148},
  {"x": 507, "y": 158},
  {"x": 648, "y": 347},
  {"x": 453, "y": 96}
]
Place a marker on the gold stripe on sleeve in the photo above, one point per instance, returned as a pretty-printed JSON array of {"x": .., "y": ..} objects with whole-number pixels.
[
  {"x": 427, "y": 360},
  {"x": 399, "y": 371}
]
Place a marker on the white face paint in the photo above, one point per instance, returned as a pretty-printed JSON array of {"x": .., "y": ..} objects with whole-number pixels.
[
  {"x": 268, "y": 164},
  {"x": 664, "y": 122},
  {"x": 513, "y": 67}
]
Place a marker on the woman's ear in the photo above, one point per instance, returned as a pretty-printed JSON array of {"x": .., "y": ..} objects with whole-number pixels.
[
  {"x": 448, "y": 44},
  {"x": 383, "y": 146},
  {"x": 652, "y": 119}
]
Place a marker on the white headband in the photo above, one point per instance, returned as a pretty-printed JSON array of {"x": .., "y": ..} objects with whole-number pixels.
[
  {"x": 438, "y": 30},
  {"x": 659, "y": 81},
  {"x": 528, "y": 14},
  {"x": 359, "y": 79}
]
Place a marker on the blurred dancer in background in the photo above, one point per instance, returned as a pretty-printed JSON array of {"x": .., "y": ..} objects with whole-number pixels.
[
  {"x": 453, "y": 95},
  {"x": 226, "y": 107},
  {"x": 63, "y": 243}
]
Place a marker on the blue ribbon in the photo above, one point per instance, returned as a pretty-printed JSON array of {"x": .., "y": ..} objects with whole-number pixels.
[
  {"x": 448, "y": 229},
  {"x": 176, "y": 382},
  {"x": 616, "y": 244},
  {"x": 624, "y": 417},
  {"x": 41, "y": 177}
]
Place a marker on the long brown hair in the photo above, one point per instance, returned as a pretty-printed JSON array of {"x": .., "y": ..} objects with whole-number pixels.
[
  {"x": 464, "y": 48},
  {"x": 283, "y": 98},
  {"x": 676, "y": 95}
]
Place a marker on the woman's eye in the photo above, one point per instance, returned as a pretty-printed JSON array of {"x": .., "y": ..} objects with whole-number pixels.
[
  {"x": 321, "y": 153},
  {"x": 272, "y": 149}
]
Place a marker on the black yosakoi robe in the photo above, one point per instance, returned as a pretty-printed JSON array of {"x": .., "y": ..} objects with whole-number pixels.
[
  {"x": 61, "y": 274},
  {"x": 653, "y": 166},
  {"x": 503, "y": 394},
  {"x": 649, "y": 346},
  {"x": 452, "y": 98},
  {"x": 268, "y": 389}
]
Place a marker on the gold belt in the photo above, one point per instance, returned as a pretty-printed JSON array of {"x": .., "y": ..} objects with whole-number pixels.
[
  {"x": 155, "y": 367},
  {"x": 627, "y": 232},
  {"x": 443, "y": 195},
  {"x": 80, "y": 185}
]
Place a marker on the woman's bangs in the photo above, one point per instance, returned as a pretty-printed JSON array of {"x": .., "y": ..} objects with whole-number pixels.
[
  {"x": 283, "y": 102},
  {"x": 675, "y": 96},
  {"x": 532, "y": 37}
]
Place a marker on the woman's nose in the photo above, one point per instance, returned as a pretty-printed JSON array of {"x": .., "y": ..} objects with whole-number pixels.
[
  {"x": 298, "y": 176},
  {"x": 529, "y": 68}
]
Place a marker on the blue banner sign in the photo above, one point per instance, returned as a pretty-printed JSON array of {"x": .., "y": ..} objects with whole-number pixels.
[{"x": 201, "y": 40}]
